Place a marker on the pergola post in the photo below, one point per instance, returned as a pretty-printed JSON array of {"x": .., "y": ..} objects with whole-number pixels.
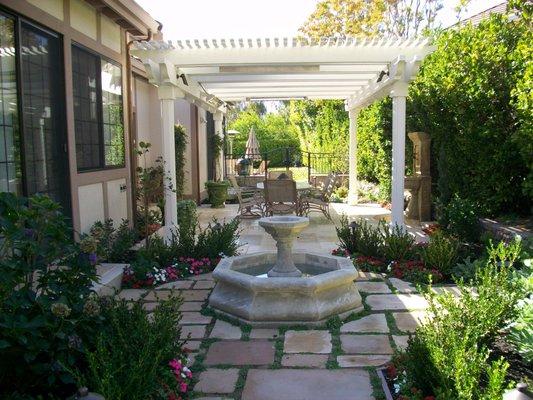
[
  {"x": 167, "y": 94},
  {"x": 352, "y": 157},
  {"x": 217, "y": 118},
  {"x": 399, "y": 96}
]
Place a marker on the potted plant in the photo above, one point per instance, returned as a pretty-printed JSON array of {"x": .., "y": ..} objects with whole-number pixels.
[{"x": 217, "y": 190}]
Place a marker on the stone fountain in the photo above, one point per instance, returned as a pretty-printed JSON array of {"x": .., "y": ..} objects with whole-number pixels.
[{"x": 270, "y": 289}]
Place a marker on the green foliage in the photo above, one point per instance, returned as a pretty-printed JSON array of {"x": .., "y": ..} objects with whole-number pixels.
[
  {"x": 397, "y": 243},
  {"x": 180, "y": 144},
  {"x": 521, "y": 330},
  {"x": 361, "y": 238},
  {"x": 218, "y": 240},
  {"x": 504, "y": 253},
  {"x": 47, "y": 313},
  {"x": 440, "y": 253},
  {"x": 472, "y": 95},
  {"x": 466, "y": 269},
  {"x": 130, "y": 360},
  {"x": 460, "y": 218},
  {"x": 448, "y": 356},
  {"x": 113, "y": 245},
  {"x": 187, "y": 224},
  {"x": 273, "y": 131}
]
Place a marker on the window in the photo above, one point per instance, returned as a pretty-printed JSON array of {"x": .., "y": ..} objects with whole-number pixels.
[
  {"x": 33, "y": 150},
  {"x": 98, "y": 111}
]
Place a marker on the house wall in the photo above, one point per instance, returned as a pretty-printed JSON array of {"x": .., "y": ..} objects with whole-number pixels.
[
  {"x": 147, "y": 111},
  {"x": 97, "y": 194}
]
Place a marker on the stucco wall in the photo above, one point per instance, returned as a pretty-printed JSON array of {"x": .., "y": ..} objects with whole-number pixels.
[
  {"x": 52, "y": 7},
  {"x": 148, "y": 115},
  {"x": 83, "y": 18},
  {"x": 182, "y": 115}
]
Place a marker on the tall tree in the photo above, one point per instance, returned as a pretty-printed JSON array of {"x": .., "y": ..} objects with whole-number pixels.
[{"x": 367, "y": 18}]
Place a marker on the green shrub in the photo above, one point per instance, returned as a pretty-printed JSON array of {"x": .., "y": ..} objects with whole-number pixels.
[
  {"x": 440, "y": 253},
  {"x": 460, "y": 219},
  {"x": 113, "y": 245},
  {"x": 187, "y": 225},
  {"x": 466, "y": 270},
  {"x": 448, "y": 356},
  {"x": 180, "y": 146},
  {"x": 218, "y": 240},
  {"x": 362, "y": 239},
  {"x": 397, "y": 243},
  {"x": 47, "y": 313},
  {"x": 505, "y": 253},
  {"x": 133, "y": 350},
  {"x": 521, "y": 330}
]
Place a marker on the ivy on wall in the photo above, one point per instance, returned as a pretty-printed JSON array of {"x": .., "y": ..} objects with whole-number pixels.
[{"x": 180, "y": 144}]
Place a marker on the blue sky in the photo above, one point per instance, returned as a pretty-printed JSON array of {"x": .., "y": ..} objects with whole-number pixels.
[{"x": 208, "y": 19}]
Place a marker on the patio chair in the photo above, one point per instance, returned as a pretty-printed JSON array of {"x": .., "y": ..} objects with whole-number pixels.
[
  {"x": 281, "y": 197},
  {"x": 319, "y": 200},
  {"x": 251, "y": 201},
  {"x": 276, "y": 174}
]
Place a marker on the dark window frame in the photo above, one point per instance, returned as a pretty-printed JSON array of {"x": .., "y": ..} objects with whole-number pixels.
[
  {"x": 19, "y": 21},
  {"x": 99, "y": 110}
]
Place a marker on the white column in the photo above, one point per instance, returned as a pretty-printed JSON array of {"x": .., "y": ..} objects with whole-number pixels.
[
  {"x": 217, "y": 118},
  {"x": 352, "y": 157},
  {"x": 167, "y": 96},
  {"x": 399, "y": 95}
]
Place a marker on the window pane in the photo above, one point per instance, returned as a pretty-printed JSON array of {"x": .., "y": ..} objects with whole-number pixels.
[
  {"x": 45, "y": 156},
  {"x": 112, "y": 114},
  {"x": 10, "y": 172},
  {"x": 85, "y": 67}
]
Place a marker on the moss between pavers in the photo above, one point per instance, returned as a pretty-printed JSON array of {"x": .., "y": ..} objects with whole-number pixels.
[{"x": 377, "y": 389}]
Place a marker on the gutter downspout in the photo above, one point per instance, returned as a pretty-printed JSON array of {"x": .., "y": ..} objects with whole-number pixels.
[{"x": 131, "y": 122}]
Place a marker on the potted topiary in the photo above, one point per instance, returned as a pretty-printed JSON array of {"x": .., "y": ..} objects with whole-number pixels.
[
  {"x": 217, "y": 190},
  {"x": 244, "y": 166}
]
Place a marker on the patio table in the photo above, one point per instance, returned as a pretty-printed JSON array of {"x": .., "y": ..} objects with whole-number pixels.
[{"x": 300, "y": 185}]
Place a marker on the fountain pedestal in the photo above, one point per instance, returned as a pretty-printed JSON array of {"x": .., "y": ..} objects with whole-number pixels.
[{"x": 284, "y": 230}]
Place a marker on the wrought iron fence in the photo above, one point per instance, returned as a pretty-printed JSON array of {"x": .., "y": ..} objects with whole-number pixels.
[{"x": 296, "y": 160}]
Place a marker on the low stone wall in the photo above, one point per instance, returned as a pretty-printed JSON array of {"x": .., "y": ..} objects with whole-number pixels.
[{"x": 504, "y": 232}]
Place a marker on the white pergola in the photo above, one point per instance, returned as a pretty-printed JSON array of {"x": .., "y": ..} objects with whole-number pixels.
[{"x": 213, "y": 73}]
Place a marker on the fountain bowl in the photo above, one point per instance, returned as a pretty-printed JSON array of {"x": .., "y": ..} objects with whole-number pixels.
[{"x": 326, "y": 288}]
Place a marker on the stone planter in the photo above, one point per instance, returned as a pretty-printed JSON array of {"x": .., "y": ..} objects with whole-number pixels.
[
  {"x": 217, "y": 192},
  {"x": 109, "y": 279}
]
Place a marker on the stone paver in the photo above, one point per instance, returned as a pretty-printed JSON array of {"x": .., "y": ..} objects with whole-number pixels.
[
  {"x": 176, "y": 285},
  {"x": 402, "y": 286},
  {"x": 366, "y": 344},
  {"x": 195, "y": 295},
  {"x": 155, "y": 295},
  {"x": 264, "y": 333},
  {"x": 369, "y": 324},
  {"x": 217, "y": 381},
  {"x": 150, "y": 306},
  {"x": 308, "y": 384},
  {"x": 224, "y": 330},
  {"x": 447, "y": 289},
  {"x": 131, "y": 294},
  {"x": 236, "y": 352},
  {"x": 409, "y": 321},
  {"x": 373, "y": 287},
  {"x": 305, "y": 360},
  {"x": 191, "y": 306},
  {"x": 365, "y": 276},
  {"x": 194, "y": 317},
  {"x": 196, "y": 331},
  {"x": 204, "y": 285},
  {"x": 400, "y": 341},
  {"x": 313, "y": 341},
  {"x": 193, "y": 345},
  {"x": 202, "y": 277},
  {"x": 396, "y": 302},
  {"x": 359, "y": 361}
]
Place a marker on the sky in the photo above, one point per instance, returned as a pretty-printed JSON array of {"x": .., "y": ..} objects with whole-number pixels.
[{"x": 209, "y": 19}]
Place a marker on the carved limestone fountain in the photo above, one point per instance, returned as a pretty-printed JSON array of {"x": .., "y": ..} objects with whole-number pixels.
[{"x": 282, "y": 288}]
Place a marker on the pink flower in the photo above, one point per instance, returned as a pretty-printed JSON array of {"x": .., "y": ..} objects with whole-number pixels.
[
  {"x": 183, "y": 387},
  {"x": 175, "y": 365}
]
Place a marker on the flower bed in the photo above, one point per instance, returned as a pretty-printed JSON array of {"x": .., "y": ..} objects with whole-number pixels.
[{"x": 185, "y": 267}]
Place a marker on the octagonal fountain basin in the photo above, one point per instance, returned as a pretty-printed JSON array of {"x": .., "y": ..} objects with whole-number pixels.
[{"x": 324, "y": 287}]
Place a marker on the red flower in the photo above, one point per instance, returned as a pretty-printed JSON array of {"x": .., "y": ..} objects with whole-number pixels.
[{"x": 429, "y": 398}]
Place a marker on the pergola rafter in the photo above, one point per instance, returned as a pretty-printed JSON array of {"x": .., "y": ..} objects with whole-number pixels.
[{"x": 212, "y": 73}]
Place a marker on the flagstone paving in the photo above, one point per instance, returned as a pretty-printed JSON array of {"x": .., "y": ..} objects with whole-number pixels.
[{"x": 230, "y": 361}]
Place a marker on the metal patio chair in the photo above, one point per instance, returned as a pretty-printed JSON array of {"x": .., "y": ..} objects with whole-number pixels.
[
  {"x": 319, "y": 200},
  {"x": 251, "y": 200},
  {"x": 281, "y": 197}
]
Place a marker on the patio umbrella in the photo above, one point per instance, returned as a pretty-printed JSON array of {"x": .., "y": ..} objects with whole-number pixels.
[{"x": 252, "y": 147}]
